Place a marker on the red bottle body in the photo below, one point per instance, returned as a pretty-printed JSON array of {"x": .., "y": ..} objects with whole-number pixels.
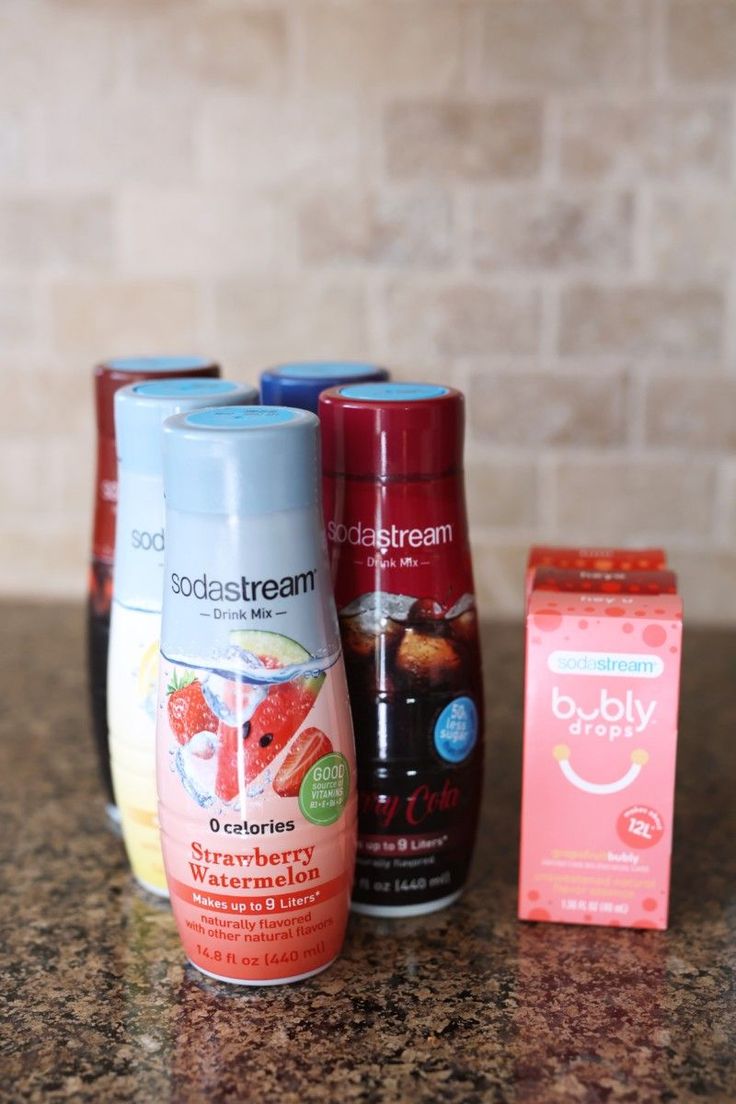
[{"x": 404, "y": 589}]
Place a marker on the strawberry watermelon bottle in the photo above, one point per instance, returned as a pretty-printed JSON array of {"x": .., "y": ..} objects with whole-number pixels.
[
  {"x": 109, "y": 377},
  {"x": 397, "y": 533},
  {"x": 255, "y": 755},
  {"x": 132, "y": 672}
]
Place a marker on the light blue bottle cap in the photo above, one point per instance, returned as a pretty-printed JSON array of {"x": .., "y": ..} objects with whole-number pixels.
[
  {"x": 301, "y": 382},
  {"x": 394, "y": 392},
  {"x": 248, "y": 461},
  {"x": 142, "y": 408}
]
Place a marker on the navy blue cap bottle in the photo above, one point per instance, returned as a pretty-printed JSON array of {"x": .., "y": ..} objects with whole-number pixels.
[{"x": 301, "y": 382}]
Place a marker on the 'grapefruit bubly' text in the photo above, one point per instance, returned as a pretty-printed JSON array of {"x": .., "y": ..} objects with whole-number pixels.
[{"x": 256, "y": 764}]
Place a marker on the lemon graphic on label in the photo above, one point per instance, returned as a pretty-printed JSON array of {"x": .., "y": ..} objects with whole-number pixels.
[{"x": 148, "y": 679}]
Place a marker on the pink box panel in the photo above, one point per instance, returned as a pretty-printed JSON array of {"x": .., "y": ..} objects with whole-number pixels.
[{"x": 600, "y": 745}]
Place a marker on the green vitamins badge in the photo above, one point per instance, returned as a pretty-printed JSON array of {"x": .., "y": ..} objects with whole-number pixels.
[{"x": 324, "y": 791}]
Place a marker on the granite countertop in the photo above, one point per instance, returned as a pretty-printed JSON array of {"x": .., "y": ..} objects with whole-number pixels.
[{"x": 465, "y": 1005}]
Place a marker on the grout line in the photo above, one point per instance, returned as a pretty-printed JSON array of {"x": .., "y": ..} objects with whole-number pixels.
[
  {"x": 551, "y": 142},
  {"x": 642, "y": 234},
  {"x": 659, "y": 38},
  {"x": 723, "y": 504},
  {"x": 547, "y": 508},
  {"x": 463, "y": 201},
  {"x": 376, "y": 315},
  {"x": 549, "y": 329},
  {"x": 296, "y": 49},
  {"x": 637, "y": 388}
]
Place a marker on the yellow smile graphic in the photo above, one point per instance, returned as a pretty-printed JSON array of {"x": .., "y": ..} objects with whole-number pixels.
[{"x": 639, "y": 758}]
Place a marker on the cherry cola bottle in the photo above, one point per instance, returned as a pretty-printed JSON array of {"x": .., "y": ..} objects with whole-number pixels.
[{"x": 397, "y": 534}]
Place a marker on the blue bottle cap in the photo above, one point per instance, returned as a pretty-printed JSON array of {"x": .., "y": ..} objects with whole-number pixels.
[
  {"x": 249, "y": 461},
  {"x": 142, "y": 408},
  {"x": 301, "y": 382}
]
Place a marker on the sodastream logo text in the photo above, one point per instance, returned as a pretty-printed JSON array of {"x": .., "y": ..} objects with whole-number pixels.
[
  {"x": 204, "y": 588},
  {"x": 613, "y": 664}
]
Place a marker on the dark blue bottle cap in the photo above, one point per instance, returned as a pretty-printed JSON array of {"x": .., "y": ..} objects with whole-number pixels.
[{"x": 299, "y": 384}]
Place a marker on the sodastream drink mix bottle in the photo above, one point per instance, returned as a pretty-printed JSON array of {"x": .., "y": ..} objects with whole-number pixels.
[
  {"x": 109, "y": 377},
  {"x": 301, "y": 382},
  {"x": 140, "y": 411},
  {"x": 397, "y": 534},
  {"x": 255, "y": 754}
]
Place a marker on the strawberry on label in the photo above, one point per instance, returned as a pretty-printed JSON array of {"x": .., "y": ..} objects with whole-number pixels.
[
  {"x": 309, "y": 746},
  {"x": 188, "y": 711}
]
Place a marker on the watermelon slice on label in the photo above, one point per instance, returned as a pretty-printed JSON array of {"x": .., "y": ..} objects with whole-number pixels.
[{"x": 274, "y": 721}]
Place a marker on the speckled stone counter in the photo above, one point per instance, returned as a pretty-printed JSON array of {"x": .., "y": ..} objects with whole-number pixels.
[{"x": 466, "y": 1005}]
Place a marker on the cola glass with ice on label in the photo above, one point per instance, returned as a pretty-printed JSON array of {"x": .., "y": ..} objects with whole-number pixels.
[{"x": 397, "y": 534}]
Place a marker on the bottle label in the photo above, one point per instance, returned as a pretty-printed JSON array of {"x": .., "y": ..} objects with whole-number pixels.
[
  {"x": 139, "y": 541},
  {"x": 131, "y": 709},
  {"x": 409, "y": 627},
  {"x": 255, "y": 755},
  {"x": 132, "y": 671},
  {"x": 256, "y": 783}
]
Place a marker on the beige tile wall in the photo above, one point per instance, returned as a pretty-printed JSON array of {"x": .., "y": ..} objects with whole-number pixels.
[{"x": 532, "y": 199}]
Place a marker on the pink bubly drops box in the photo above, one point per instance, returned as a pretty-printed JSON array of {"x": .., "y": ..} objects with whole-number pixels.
[{"x": 600, "y": 745}]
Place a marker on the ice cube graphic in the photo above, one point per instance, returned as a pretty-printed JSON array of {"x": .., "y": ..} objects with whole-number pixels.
[
  {"x": 203, "y": 745},
  {"x": 378, "y": 606},
  {"x": 196, "y": 765},
  {"x": 149, "y": 703},
  {"x": 232, "y": 700},
  {"x": 463, "y": 604}
]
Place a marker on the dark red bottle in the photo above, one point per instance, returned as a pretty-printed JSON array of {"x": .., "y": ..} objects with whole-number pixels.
[
  {"x": 109, "y": 377},
  {"x": 397, "y": 533}
]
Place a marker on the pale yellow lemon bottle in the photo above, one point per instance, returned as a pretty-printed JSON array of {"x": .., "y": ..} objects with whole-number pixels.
[{"x": 132, "y": 674}]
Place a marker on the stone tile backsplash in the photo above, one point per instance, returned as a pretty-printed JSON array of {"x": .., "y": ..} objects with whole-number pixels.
[{"x": 534, "y": 200}]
